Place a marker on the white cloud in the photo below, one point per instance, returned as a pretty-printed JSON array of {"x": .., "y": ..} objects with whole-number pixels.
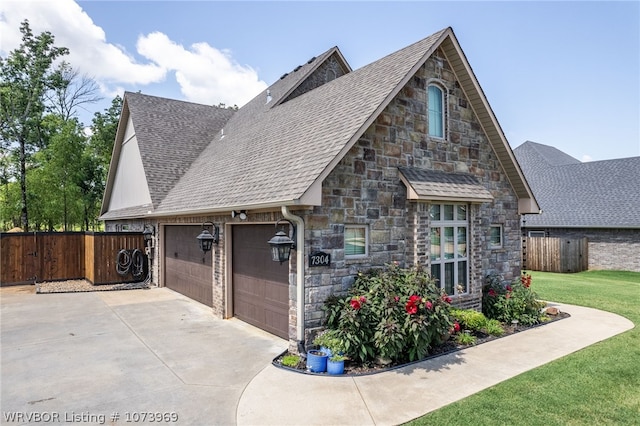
[{"x": 205, "y": 74}]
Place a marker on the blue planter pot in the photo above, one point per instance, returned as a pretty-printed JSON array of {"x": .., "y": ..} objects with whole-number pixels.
[
  {"x": 335, "y": 367},
  {"x": 317, "y": 361},
  {"x": 326, "y": 351}
]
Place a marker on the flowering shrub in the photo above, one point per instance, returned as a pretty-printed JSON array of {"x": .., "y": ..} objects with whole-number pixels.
[
  {"x": 508, "y": 302},
  {"x": 396, "y": 314}
]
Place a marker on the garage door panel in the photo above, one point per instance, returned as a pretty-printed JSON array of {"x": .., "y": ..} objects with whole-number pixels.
[
  {"x": 185, "y": 272},
  {"x": 260, "y": 286}
]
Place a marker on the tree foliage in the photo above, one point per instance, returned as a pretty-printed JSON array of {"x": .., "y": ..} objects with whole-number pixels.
[
  {"x": 25, "y": 77},
  {"x": 52, "y": 173}
]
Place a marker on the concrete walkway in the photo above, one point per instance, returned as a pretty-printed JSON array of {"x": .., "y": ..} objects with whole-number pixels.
[{"x": 90, "y": 356}]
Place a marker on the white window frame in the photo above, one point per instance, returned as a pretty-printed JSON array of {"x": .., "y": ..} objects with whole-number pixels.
[
  {"x": 500, "y": 243},
  {"x": 457, "y": 259},
  {"x": 365, "y": 228}
]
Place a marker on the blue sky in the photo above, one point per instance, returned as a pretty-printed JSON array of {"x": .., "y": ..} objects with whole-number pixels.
[{"x": 565, "y": 74}]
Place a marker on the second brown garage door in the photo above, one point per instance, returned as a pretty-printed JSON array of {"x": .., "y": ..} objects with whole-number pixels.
[
  {"x": 260, "y": 286},
  {"x": 185, "y": 272}
]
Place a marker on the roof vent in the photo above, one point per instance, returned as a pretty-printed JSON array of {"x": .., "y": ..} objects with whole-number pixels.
[
  {"x": 284, "y": 75},
  {"x": 297, "y": 68},
  {"x": 269, "y": 96},
  {"x": 311, "y": 60}
]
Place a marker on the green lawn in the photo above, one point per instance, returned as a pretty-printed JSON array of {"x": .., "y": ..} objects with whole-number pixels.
[{"x": 597, "y": 385}]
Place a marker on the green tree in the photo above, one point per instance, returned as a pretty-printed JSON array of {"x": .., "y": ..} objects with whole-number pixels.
[
  {"x": 25, "y": 77},
  {"x": 60, "y": 172}
]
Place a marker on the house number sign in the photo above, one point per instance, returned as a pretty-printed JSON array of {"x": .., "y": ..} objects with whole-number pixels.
[{"x": 319, "y": 259}]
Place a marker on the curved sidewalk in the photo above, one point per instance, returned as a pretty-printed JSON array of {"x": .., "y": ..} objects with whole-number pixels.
[{"x": 279, "y": 397}]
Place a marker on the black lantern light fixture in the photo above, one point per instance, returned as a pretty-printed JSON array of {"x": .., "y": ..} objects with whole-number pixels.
[
  {"x": 147, "y": 234},
  {"x": 281, "y": 244},
  {"x": 206, "y": 239}
]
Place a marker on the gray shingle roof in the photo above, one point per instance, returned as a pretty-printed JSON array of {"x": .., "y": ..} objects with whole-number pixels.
[
  {"x": 171, "y": 134},
  {"x": 275, "y": 154},
  {"x": 439, "y": 185},
  {"x": 598, "y": 194}
]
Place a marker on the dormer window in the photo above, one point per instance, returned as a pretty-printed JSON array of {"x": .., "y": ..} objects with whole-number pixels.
[{"x": 435, "y": 98}]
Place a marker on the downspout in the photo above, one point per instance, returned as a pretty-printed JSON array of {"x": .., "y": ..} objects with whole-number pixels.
[{"x": 299, "y": 222}]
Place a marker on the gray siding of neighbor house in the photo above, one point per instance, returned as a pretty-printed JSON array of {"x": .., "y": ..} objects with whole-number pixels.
[
  {"x": 609, "y": 249},
  {"x": 365, "y": 189}
]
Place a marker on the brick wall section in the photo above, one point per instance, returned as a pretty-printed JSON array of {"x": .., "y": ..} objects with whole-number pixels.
[
  {"x": 365, "y": 189},
  {"x": 611, "y": 249}
]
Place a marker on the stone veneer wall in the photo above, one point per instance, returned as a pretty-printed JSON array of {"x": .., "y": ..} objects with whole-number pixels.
[
  {"x": 319, "y": 77},
  {"x": 612, "y": 249},
  {"x": 365, "y": 189}
]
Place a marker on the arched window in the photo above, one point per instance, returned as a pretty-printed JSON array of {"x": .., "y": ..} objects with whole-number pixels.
[{"x": 435, "y": 98}]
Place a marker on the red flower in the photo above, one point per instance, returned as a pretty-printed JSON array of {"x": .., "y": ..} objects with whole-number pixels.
[
  {"x": 456, "y": 327},
  {"x": 525, "y": 280},
  {"x": 414, "y": 299},
  {"x": 428, "y": 305},
  {"x": 411, "y": 308},
  {"x": 508, "y": 288},
  {"x": 363, "y": 299},
  {"x": 446, "y": 299},
  {"x": 492, "y": 292},
  {"x": 396, "y": 298},
  {"x": 355, "y": 304}
]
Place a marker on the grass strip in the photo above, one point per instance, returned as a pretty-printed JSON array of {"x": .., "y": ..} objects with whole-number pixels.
[{"x": 596, "y": 385}]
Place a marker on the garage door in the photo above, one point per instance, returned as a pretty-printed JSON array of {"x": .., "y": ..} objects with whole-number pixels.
[
  {"x": 260, "y": 286},
  {"x": 185, "y": 272}
]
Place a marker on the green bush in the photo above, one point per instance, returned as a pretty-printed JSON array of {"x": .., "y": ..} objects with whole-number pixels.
[
  {"x": 290, "y": 360},
  {"x": 396, "y": 314},
  {"x": 493, "y": 327},
  {"x": 466, "y": 339},
  {"x": 470, "y": 319},
  {"x": 511, "y": 302}
]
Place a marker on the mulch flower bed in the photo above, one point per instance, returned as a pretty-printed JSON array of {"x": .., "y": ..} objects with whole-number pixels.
[{"x": 352, "y": 368}]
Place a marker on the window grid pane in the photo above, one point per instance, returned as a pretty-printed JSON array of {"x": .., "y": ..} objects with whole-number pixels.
[
  {"x": 435, "y": 112},
  {"x": 355, "y": 241},
  {"x": 496, "y": 236},
  {"x": 435, "y": 244},
  {"x": 449, "y": 247}
]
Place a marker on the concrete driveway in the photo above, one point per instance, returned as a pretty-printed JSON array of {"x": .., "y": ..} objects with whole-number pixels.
[
  {"x": 156, "y": 357},
  {"x": 85, "y": 357}
]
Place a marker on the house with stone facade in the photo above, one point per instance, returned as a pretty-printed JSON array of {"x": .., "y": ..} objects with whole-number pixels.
[
  {"x": 597, "y": 200},
  {"x": 402, "y": 160}
]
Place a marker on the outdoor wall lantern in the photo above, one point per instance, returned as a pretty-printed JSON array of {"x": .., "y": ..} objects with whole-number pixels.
[
  {"x": 281, "y": 244},
  {"x": 206, "y": 239},
  {"x": 147, "y": 234}
]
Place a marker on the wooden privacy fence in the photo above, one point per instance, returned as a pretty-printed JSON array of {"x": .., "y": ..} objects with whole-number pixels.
[
  {"x": 29, "y": 257},
  {"x": 555, "y": 254}
]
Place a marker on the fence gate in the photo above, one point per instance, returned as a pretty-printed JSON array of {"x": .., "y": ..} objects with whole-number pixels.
[
  {"x": 30, "y": 257},
  {"x": 556, "y": 254}
]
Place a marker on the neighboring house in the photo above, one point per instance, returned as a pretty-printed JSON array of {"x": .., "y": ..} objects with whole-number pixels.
[
  {"x": 599, "y": 200},
  {"x": 399, "y": 161}
]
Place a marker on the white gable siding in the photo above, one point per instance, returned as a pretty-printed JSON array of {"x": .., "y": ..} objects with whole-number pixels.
[{"x": 130, "y": 186}]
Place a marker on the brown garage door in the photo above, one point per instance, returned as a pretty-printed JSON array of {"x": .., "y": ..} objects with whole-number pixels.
[
  {"x": 260, "y": 286},
  {"x": 185, "y": 272}
]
